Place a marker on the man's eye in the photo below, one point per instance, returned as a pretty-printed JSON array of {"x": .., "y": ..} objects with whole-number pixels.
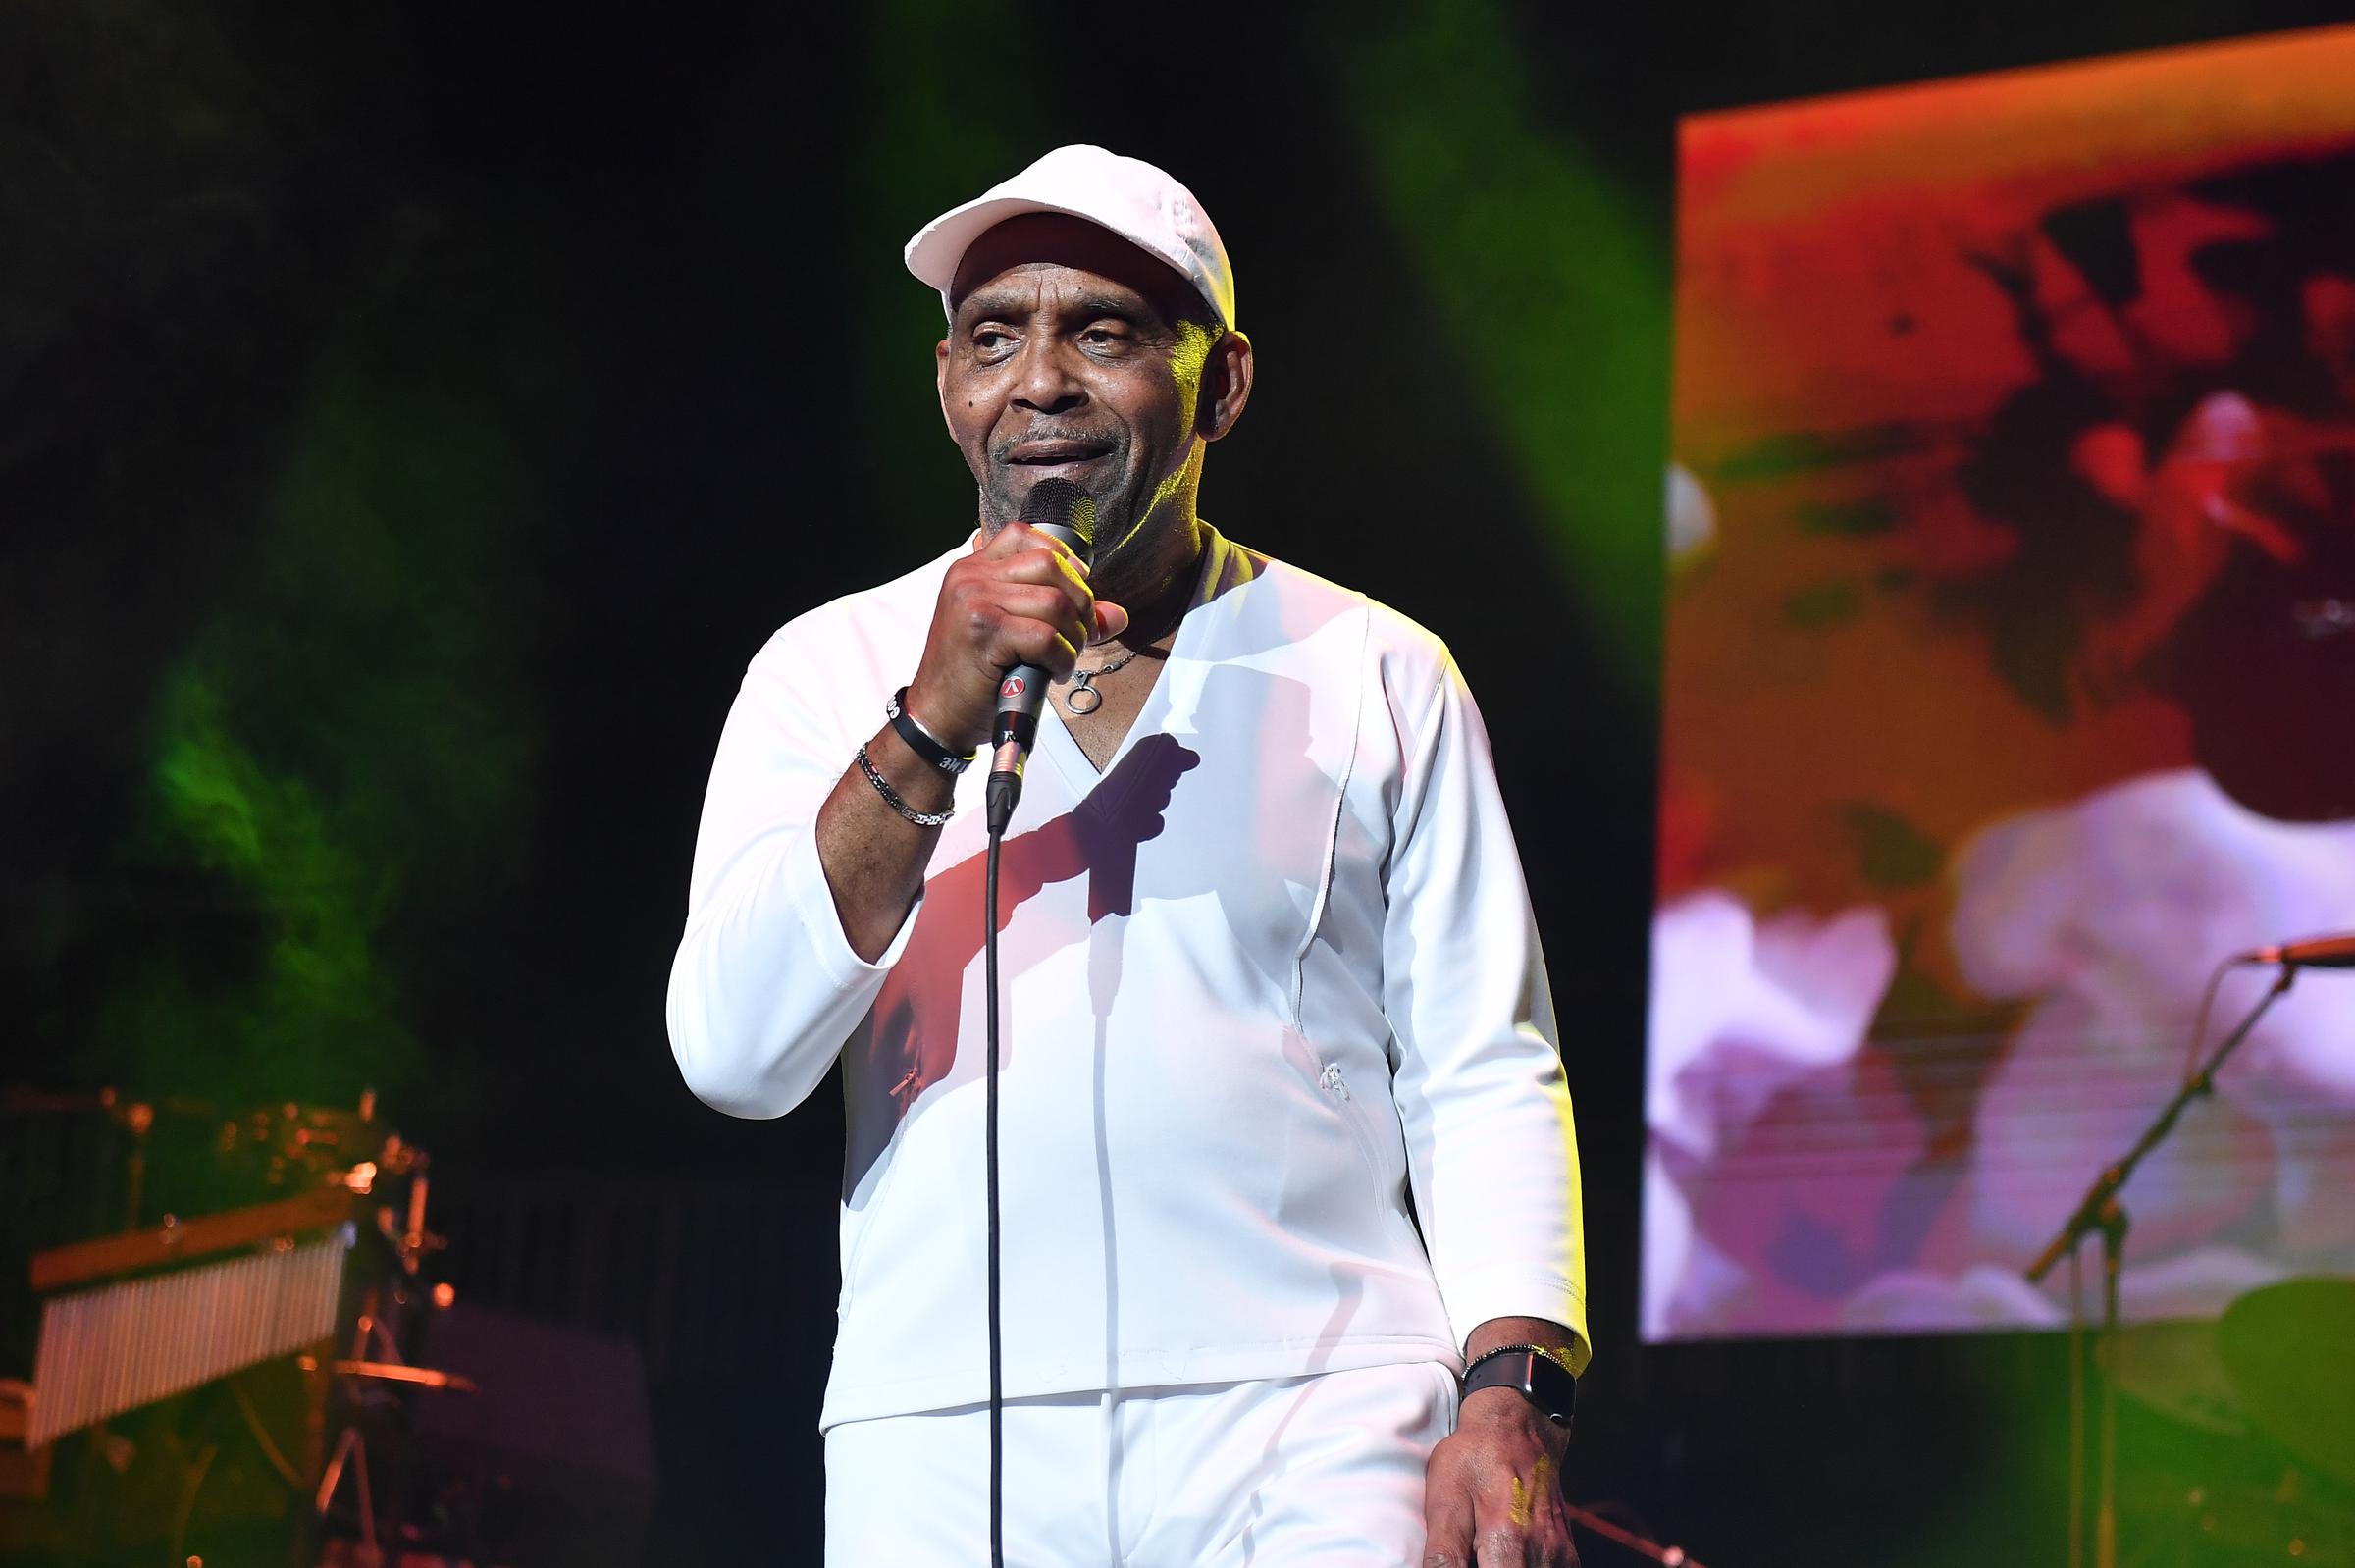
[{"x": 990, "y": 340}]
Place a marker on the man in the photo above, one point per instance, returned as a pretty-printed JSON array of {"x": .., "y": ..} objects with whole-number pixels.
[{"x": 1268, "y": 966}]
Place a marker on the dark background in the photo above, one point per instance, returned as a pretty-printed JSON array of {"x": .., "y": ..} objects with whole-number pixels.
[{"x": 416, "y": 416}]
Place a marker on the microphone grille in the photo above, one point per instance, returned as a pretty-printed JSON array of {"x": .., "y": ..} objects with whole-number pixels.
[{"x": 1059, "y": 504}]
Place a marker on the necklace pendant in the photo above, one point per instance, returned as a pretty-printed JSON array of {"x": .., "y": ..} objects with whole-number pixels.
[{"x": 1084, "y": 697}]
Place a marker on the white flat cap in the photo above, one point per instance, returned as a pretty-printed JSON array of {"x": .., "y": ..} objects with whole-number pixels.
[{"x": 1130, "y": 197}]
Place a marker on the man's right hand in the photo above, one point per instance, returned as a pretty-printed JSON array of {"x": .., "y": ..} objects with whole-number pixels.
[{"x": 1020, "y": 597}]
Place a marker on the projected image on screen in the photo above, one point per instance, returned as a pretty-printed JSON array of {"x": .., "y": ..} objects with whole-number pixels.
[{"x": 2011, "y": 686}]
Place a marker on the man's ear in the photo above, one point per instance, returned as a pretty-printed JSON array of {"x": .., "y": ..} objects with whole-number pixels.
[
  {"x": 940, "y": 383},
  {"x": 1226, "y": 387}
]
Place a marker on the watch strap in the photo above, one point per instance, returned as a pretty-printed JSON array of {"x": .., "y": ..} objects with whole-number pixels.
[{"x": 1532, "y": 1372}]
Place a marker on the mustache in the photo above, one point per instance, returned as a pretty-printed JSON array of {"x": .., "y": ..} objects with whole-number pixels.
[{"x": 1001, "y": 450}]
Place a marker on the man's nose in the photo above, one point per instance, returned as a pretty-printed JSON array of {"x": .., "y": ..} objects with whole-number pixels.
[{"x": 1046, "y": 382}]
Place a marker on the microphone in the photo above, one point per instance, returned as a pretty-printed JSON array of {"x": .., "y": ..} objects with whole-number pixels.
[
  {"x": 1062, "y": 509},
  {"x": 2317, "y": 953}
]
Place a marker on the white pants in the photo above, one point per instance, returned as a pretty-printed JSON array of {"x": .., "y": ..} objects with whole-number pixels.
[{"x": 1325, "y": 1469}]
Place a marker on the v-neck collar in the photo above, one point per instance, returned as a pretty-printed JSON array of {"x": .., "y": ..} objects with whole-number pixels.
[{"x": 1183, "y": 669}]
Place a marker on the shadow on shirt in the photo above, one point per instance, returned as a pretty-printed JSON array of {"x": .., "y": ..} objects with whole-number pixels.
[{"x": 911, "y": 1042}]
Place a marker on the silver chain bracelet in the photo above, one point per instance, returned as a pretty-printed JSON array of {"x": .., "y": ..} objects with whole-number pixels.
[{"x": 891, "y": 797}]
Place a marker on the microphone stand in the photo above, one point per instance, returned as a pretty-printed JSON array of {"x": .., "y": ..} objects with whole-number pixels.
[{"x": 2101, "y": 1211}]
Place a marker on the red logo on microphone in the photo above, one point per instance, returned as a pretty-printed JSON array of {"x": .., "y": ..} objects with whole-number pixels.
[{"x": 1014, "y": 686}]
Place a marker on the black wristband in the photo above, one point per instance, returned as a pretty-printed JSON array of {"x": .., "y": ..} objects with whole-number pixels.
[
  {"x": 921, "y": 742},
  {"x": 1533, "y": 1373}
]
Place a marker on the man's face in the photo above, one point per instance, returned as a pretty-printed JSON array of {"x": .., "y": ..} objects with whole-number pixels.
[{"x": 1069, "y": 355}]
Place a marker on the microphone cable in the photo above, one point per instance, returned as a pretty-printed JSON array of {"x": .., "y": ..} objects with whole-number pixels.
[{"x": 989, "y": 1162}]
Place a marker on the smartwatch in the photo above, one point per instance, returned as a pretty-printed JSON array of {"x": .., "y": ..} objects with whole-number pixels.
[{"x": 1532, "y": 1372}]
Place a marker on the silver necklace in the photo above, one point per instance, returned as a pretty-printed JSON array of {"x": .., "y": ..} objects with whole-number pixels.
[{"x": 1082, "y": 698}]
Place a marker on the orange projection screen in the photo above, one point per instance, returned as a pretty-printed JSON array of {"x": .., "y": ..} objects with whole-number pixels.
[{"x": 2009, "y": 689}]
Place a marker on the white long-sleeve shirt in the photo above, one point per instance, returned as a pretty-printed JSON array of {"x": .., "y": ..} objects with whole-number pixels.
[{"x": 1271, "y": 969}]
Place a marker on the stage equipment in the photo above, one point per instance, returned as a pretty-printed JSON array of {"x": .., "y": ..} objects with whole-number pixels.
[
  {"x": 2101, "y": 1211},
  {"x": 2288, "y": 1351},
  {"x": 2320, "y": 953},
  {"x": 2173, "y": 1370},
  {"x": 553, "y": 1463},
  {"x": 116, "y": 1334},
  {"x": 2213, "y": 1481},
  {"x": 2205, "y": 1482},
  {"x": 2232, "y": 1523},
  {"x": 208, "y": 1313}
]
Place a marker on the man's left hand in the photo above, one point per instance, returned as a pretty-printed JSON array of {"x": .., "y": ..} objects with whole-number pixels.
[{"x": 1492, "y": 1494}]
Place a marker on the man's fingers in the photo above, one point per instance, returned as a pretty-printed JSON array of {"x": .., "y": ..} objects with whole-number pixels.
[
  {"x": 1504, "y": 1516},
  {"x": 1045, "y": 561},
  {"x": 1011, "y": 540},
  {"x": 1507, "y": 1547},
  {"x": 1027, "y": 642},
  {"x": 1111, "y": 620},
  {"x": 1501, "y": 1545},
  {"x": 1469, "y": 1529},
  {"x": 1018, "y": 539},
  {"x": 1046, "y": 569},
  {"x": 1560, "y": 1543},
  {"x": 1049, "y": 603},
  {"x": 978, "y": 601},
  {"x": 1029, "y": 614},
  {"x": 1448, "y": 1525},
  {"x": 1523, "y": 1528}
]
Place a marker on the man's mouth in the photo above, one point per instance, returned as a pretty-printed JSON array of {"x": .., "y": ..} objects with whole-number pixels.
[{"x": 1055, "y": 453}]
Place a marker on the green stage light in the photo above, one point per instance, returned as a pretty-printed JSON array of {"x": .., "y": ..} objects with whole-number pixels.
[{"x": 1551, "y": 284}]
